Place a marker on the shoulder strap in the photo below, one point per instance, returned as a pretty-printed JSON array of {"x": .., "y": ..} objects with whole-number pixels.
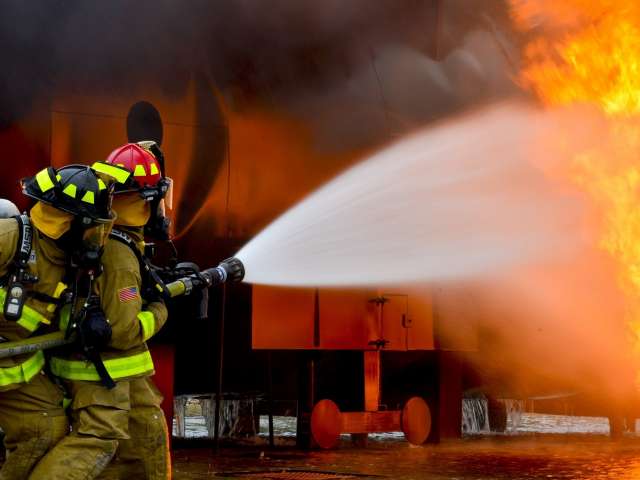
[
  {"x": 150, "y": 277},
  {"x": 129, "y": 242},
  {"x": 25, "y": 241},
  {"x": 19, "y": 277}
]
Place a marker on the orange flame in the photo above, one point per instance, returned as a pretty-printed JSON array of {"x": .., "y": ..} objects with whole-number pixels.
[
  {"x": 596, "y": 58},
  {"x": 588, "y": 52}
]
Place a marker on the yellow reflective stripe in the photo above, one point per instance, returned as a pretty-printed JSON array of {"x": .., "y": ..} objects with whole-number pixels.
[
  {"x": 154, "y": 168},
  {"x": 58, "y": 177},
  {"x": 133, "y": 365},
  {"x": 70, "y": 190},
  {"x": 31, "y": 322},
  {"x": 89, "y": 198},
  {"x": 101, "y": 185},
  {"x": 148, "y": 322},
  {"x": 44, "y": 180},
  {"x": 61, "y": 287},
  {"x": 30, "y": 318},
  {"x": 24, "y": 372},
  {"x": 56, "y": 294},
  {"x": 139, "y": 171},
  {"x": 120, "y": 174},
  {"x": 63, "y": 322}
]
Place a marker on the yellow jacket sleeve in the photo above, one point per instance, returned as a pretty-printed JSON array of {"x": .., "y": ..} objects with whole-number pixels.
[{"x": 119, "y": 290}]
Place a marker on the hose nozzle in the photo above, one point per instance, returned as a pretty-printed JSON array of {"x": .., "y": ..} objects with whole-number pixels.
[
  {"x": 233, "y": 268},
  {"x": 230, "y": 269}
]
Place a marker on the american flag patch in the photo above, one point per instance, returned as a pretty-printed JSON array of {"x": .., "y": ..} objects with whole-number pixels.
[{"x": 127, "y": 294}]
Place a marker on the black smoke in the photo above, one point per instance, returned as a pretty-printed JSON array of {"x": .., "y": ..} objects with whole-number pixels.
[{"x": 370, "y": 67}]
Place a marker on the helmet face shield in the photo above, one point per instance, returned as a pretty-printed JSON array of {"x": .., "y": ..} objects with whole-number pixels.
[
  {"x": 168, "y": 196},
  {"x": 160, "y": 199},
  {"x": 163, "y": 190},
  {"x": 158, "y": 226}
]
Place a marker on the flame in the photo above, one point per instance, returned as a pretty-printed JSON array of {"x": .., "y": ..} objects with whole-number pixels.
[
  {"x": 588, "y": 52},
  {"x": 595, "y": 60}
]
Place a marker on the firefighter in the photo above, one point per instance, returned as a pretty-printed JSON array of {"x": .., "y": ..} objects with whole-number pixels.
[
  {"x": 40, "y": 255},
  {"x": 125, "y": 423},
  {"x": 140, "y": 206}
]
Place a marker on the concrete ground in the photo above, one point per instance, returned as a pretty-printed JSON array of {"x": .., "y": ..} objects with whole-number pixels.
[{"x": 584, "y": 457}]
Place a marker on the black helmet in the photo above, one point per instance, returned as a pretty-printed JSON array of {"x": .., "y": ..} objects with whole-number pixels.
[{"x": 75, "y": 189}]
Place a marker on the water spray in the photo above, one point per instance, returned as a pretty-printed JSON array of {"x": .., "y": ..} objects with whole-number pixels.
[{"x": 463, "y": 199}]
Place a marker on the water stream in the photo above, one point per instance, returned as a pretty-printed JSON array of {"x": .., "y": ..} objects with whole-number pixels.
[{"x": 460, "y": 199}]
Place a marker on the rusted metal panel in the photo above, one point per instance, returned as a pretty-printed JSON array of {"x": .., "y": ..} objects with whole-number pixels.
[
  {"x": 371, "y": 380},
  {"x": 341, "y": 319},
  {"x": 282, "y": 318},
  {"x": 394, "y": 315},
  {"x": 348, "y": 320},
  {"x": 371, "y": 422},
  {"x": 419, "y": 320}
]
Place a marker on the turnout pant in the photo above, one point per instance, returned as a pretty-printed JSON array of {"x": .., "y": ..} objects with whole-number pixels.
[
  {"x": 123, "y": 426},
  {"x": 33, "y": 421}
]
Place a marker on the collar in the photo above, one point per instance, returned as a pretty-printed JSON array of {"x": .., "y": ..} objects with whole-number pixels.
[
  {"x": 136, "y": 234},
  {"x": 48, "y": 248}
]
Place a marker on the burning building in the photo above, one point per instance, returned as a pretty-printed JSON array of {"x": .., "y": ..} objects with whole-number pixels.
[{"x": 257, "y": 106}]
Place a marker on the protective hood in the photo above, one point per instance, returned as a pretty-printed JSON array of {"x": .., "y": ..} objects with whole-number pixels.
[
  {"x": 51, "y": 221},
  {"x": 132, "y": 211}
]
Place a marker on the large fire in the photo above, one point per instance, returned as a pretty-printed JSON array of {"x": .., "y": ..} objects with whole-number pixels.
[
  {"x": 593, "y": 54},
  {"x": 588, "y": 52}
]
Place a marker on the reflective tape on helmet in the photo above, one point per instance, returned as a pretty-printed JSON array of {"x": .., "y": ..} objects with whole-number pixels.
[
  {"x": 139, "y": 171},
  {"x": 23, "y": 372},
  {"x": 118, "y": 368},
  {"x": 154, "y": 168},
  {"x": 120, "y": 174},
  {"x": 148, "y": 322},
  {"x": 30, "y": 318},
  {"x": 44, "y": 181},
  {"x": 70, "y": 190},
  {"x": 89, "y": 197}
]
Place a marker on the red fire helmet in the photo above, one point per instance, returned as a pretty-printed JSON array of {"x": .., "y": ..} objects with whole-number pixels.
[{"x": 139, "y": 160}]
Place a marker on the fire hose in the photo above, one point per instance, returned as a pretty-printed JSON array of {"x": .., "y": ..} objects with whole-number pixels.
[{"x": 229, "y": 270}]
